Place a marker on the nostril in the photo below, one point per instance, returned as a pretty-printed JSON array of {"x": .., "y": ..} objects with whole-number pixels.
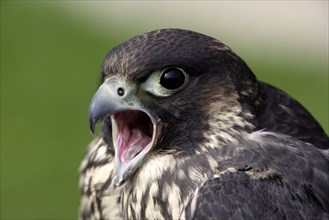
[{"x": 120, "y": 91}]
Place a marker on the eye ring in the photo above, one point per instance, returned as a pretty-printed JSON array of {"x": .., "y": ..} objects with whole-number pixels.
[
  {"x": 163, "y": 86},
  {"x": 173, "y": 78}
]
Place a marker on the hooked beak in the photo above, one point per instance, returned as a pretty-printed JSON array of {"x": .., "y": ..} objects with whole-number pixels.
[{"x": 135, "y": 130}]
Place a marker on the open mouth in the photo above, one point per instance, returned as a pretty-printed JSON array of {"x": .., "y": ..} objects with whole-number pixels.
[
  {"x": 135, "y": 128},
  {"x": 134, "y": 133}
]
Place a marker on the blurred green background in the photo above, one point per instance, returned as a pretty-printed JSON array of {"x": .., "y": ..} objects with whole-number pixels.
[{"x": 51, "y": 54}]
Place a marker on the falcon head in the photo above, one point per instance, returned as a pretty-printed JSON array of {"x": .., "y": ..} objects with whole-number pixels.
[{"x": 170, "y": 91}]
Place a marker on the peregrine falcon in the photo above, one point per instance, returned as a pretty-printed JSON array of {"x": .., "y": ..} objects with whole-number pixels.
[{"x": 190, "y": 133}]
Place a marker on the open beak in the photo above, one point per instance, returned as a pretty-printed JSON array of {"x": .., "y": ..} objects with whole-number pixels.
[{"x": 135, "y": 130}]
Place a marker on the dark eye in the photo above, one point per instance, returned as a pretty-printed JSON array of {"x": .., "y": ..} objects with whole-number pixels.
[{"x": 172, "y": 78}]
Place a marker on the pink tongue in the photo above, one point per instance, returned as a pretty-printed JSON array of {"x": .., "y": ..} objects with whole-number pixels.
[{"x": 135, "y": 141}]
